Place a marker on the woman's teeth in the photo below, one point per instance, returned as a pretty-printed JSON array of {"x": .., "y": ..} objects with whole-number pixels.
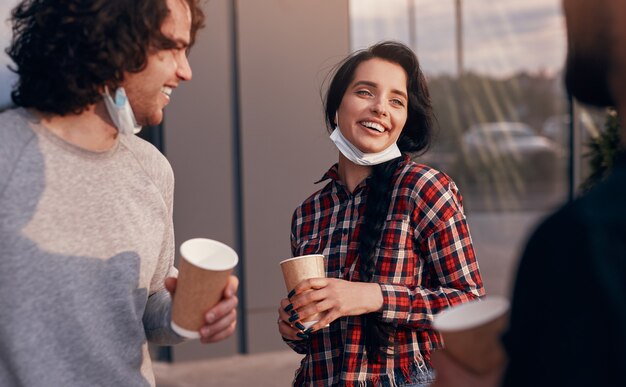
[{"x": 373, "y": 125}]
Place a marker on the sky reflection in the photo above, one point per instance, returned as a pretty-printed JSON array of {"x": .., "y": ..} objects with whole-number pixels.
[{"x": 500, "y": 37}]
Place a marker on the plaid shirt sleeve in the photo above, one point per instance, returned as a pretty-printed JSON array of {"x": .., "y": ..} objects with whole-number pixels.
[
  {"x": 299, "y": 346},
  {"x": 450, "y": 273}
]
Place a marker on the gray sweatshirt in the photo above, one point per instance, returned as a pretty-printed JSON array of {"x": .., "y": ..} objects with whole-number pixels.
[{"x": 86, "y": 241}]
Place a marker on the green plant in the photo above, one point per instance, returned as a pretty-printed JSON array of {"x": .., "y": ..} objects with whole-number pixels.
[{"x": 603, "y": 151}]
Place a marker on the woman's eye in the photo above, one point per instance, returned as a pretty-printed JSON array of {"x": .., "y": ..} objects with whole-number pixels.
[
  {"x": 397, "y": 102},
  {"x": 363, "y": 92}
]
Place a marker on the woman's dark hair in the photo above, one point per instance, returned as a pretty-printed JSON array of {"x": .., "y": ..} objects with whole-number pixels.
[
  {"x": 414, "y": 139},
  {"x": 66, "y": 51}
]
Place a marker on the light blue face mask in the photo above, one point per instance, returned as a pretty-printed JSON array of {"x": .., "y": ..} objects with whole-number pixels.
[
  {"x": 120, "y": 111},
  {"x": 353, "y": 153}
]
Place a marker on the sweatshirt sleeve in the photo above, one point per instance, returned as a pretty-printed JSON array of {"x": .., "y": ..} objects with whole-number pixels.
[{"x": 156, "y": 319}]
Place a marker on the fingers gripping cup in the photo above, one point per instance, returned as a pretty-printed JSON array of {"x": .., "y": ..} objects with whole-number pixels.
[
  {"x": 297, "y": 269},
  {"x": 471, "y": 333},
  {"x": 205, "y": 266}
]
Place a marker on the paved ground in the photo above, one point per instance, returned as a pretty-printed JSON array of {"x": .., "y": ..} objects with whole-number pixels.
[
  {"x": 497, "y": 238},
  {"x": 270, "y": 369}
]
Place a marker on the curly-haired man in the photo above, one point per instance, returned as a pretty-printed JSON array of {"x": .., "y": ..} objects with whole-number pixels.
[{"x": 86, "y": 235}]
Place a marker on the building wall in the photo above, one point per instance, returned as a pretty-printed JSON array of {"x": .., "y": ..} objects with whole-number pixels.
[
  {"x": 285, "y": 50},
  {"x": 198, "y": 144}
]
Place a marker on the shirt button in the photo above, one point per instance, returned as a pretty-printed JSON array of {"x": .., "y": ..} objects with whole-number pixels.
[{"x": 345, "y": 231}]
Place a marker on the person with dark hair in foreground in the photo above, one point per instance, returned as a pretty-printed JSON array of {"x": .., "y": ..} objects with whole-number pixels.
[
  {"x": 397, "y": 246},
  {"x": 568, "y": 316},
  {"x": 86, "y": 230}
]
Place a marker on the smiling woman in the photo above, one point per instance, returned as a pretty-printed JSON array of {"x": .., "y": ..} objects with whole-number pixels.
[
  {"x": 393, "y": 233},
  {"x": 372, "y": 113}
]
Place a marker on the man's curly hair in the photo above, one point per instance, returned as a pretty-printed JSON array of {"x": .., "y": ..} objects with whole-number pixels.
[{"x": 66, "y": 51}]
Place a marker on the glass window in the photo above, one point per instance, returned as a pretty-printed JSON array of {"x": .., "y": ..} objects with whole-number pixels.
[
  {"x": 495, "y": 76},
  {"x": 375, "y": 20}
]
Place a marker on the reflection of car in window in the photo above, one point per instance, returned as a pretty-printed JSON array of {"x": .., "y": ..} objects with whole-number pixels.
[
  {"x": 556, "y": 128},
  {"x": 509, "y": 149}
]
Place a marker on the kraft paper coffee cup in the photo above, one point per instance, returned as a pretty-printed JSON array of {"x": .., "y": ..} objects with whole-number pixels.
[
  {"x": 297, "y": 269},
  {"x": 205, "y": 267},
  {"x": 471, "y": 333}
]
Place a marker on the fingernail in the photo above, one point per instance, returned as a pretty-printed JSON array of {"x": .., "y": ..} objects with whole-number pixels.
[
  {"x": 294, "y": 317},
  {"x": 302, "y": 336},
  {"x": 210, "y": 317},
  {"x": 291, "y": 293},
  {"x": 300, "y": 326},
  {"x": 288, "y": 307},
  {"x": 293, "y": 312},
  {"x": 308, "y": 331},
  {"x": 204, "y": 332}
]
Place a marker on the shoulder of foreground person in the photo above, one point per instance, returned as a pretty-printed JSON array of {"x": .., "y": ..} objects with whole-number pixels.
[{"x": 568, "y": 316}]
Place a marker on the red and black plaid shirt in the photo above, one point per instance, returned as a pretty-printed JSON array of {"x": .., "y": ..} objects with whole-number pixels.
[{"x": 424, "y": 263}]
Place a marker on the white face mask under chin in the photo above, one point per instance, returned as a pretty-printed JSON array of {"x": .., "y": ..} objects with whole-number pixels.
[
  {"x": 353, "y": 154},
  {"x": 120, "y": 111}
]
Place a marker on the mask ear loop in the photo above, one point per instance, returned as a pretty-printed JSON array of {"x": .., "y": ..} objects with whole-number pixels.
[{"x": 336, "y": 119}]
